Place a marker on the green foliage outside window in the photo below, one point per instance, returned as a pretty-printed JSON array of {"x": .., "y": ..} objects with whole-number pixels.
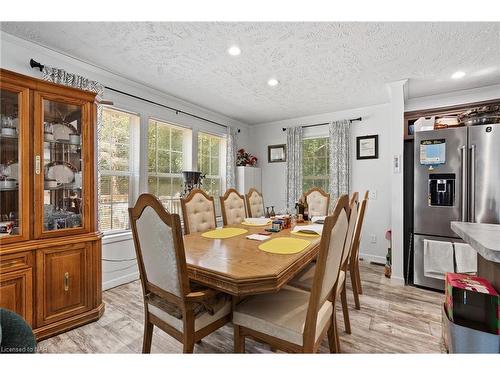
[{"x": 315, "y": 164}]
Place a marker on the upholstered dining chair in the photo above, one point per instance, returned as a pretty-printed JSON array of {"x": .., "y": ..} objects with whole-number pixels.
[
  {"x": 170, "y": 301},
  {"x": 354, "y": 253},
  {"x": 232, "y": 205},
  {"x": 295, "y": 320},
  {"x": 198, "y": 212},
  {"x": 317, "y": 201},
  {"x": 255, "y": 203},
  {"x": 304, "y": 280}
]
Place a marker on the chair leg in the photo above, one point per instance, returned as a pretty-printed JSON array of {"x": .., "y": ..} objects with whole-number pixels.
[
  {"x": 148, "y": 335},
  {"x": 345, "y": 311},
  {"x": 336, "y": 334},
  {"x": 239, "y": 340},
  {"x": 332, "y": 333},
  {"x": 354, "y": 283},
  {"x": 188, "y": 346},
  {"x": 358, "y": 278}
]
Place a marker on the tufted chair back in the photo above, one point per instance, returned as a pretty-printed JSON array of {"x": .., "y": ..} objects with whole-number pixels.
[
  {"x": 233, "y": 207},
  {"x": 318, "y": 202},
  {"x": 255, "y": 203},
  {"x": 198, "y": 211}
]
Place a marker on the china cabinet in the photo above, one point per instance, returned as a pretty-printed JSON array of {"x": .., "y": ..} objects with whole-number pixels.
[{"x": 50, "y": 248}]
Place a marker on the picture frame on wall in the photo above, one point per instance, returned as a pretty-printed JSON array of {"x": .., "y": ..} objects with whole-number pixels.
[
  {"x": 276, "y": 153},
  {"x": 367, "y": 147}
]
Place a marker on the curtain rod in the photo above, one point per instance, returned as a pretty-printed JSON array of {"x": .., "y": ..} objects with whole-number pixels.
[
  {"x": 326, "y": 123},
  {"x": 35, "y": 64}
]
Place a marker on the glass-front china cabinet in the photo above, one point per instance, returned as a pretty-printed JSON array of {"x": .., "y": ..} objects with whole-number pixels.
[{"x": 50, "y": 248}]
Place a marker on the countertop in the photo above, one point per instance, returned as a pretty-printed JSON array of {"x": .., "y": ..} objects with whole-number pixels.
[{"x": 484, "y": 238}]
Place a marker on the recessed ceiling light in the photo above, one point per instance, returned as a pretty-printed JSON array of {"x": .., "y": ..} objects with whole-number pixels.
[
  {"x": 458, "y": 75},
  {"x": 234, "y": 50},
  {"x": 273, "y": 82}
]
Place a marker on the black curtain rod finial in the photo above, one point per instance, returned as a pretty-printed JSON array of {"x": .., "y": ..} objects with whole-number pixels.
[{"x": 36, "y": 64}]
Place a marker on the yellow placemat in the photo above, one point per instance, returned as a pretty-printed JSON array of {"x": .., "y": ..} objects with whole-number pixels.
[
  {"x": 305, "y": 234},
  {"x": 224, "y": 233},
  {"x": 255, "y": 225},
  {"x": 284, "y": 245}
]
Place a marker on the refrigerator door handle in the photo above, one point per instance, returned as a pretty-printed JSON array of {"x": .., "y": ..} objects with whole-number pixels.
[
  {"x": 463, "y": 151},
  {"x": 472, "y": 199}
]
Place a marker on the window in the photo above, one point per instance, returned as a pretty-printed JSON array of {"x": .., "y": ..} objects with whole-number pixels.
[
  {"x": 166, "y": 151},
  {"x": 315, "y": 164},
  {"x": 211, "y": 154},
  {"x": 116, "y": 164}
]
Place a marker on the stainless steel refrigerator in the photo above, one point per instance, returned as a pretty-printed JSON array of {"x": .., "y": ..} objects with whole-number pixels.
[{"x": 457, "y": 178}]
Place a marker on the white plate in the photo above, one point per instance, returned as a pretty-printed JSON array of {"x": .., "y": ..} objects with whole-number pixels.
[
  {"x": 12, "y": 171},
  {"x": 62, "y": 173}
]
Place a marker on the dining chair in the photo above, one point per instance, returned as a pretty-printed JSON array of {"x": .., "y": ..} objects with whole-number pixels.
[
  {"x": 198, "y": 212},
  {"x": 170, "y": 302},
  {"x": 354, "y": 256},
  {"x": 295, "y": 320},
  {"x": 305, "y": 279},
  {"x": 317, "y": 202},
  {"x": 255, "y": 203},
  {"x": 233, "y": 209}
]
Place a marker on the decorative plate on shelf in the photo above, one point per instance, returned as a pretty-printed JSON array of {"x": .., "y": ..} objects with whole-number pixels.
[
  {"x": 12, "y": 170},
  {"x": 61, "y": 171},
  {"x": 63, "y": 130}
]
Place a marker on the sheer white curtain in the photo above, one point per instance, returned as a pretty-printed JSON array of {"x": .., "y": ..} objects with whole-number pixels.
[
  {"x": 340, "y": 158},
  {"x": 231, "y": 149},
  {"x": 293, "y": 166}
]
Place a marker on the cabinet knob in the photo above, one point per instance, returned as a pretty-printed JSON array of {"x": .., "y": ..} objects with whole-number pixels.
[{"x": 66, "y": 281}]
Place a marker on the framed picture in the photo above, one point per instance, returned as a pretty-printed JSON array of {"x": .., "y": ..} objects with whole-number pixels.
[
  {"x": 276, "y": 153},
  {"x": 367, "y": 147}
]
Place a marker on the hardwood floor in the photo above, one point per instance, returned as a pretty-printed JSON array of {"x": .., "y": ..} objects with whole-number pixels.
[{"x": 392, "y": 319}]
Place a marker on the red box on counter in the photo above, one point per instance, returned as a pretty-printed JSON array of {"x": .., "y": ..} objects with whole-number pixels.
[{"x": 472, "y": 302}]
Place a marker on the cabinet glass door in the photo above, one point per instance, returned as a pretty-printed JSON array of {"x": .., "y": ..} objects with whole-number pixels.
[
  {"x": 14, "y": 150},
  {"x": 59, "y": 164}
]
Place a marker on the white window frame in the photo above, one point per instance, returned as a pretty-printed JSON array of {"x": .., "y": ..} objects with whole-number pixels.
[{"x": 132, "y": 173}]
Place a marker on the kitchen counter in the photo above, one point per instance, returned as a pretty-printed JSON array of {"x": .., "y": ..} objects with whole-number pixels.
[{"x": 485, "y": 239}]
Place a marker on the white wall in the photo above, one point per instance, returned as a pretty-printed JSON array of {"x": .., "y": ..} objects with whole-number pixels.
[
  {"x": 15, "y": 55},
  {"x": 373, "y": 174}
]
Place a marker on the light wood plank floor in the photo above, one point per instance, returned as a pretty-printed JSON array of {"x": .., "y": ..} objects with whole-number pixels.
[{"x": 392, "y": 319}]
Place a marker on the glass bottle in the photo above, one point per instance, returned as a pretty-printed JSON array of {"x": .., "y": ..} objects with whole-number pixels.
[{"x": 273, "y": 214}]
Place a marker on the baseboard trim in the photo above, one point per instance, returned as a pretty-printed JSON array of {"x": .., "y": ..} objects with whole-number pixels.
[
  {"x": 372, "y": 258},
  {"x": 120, "y": 280}
]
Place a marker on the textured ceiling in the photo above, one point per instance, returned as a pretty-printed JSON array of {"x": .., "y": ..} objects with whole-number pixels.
[{"x": 322, "y": 67}]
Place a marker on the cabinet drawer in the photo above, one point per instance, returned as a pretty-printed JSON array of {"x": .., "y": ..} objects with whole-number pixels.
[
  {"x": 16, "y": 292},
  {"x": 12, "y": 262},
  {"x": 63, "y": 282}
]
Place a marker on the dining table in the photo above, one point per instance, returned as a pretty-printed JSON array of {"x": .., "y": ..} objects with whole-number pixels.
[{"x": 238, "y": 267}]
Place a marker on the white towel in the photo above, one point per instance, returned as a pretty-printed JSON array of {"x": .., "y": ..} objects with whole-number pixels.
[
  {"x": 438, "y": 258},
  {"x": 465, "y": 258}
]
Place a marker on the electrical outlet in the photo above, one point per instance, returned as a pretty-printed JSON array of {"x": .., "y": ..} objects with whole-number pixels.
[
  {"x": 373, "y": 238},
  {"x": 373, "y": 194}
]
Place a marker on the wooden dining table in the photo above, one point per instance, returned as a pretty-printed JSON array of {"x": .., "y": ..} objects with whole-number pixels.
[{"x": 238, "y": 267}]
